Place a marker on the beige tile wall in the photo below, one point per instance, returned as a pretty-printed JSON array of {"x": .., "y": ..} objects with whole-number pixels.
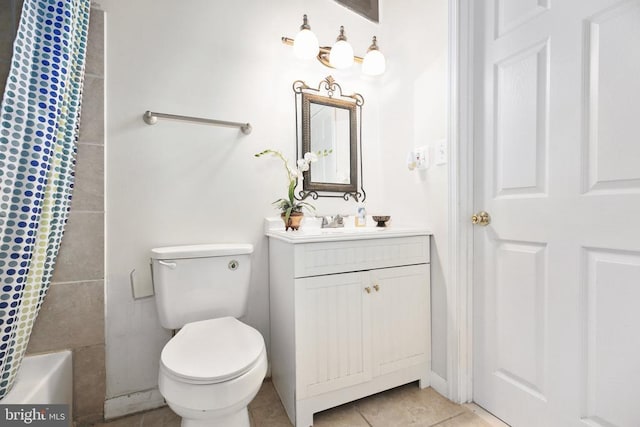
[
  {"x": 72, "y": 316},
  {"x": 8, "y": 24}
]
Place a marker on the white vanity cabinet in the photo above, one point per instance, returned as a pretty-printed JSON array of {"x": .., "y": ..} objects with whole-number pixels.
[{"x": 350, "y": 316}]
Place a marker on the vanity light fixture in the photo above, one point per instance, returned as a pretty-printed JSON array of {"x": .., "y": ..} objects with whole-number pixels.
[
  {"x": 305, "y": 45},
  {"x": 340, "y": 55},
  {"x": 374, "y": 62}
]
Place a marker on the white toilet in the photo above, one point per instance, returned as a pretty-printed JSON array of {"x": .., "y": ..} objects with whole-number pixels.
[{"x": 214, "y": 366}]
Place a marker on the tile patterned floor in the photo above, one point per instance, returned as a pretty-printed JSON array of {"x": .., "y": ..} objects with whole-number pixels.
[{"x": 402, "y": 406}]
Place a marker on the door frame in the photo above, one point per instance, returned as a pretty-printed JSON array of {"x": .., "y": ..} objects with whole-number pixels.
[{"x": 460, "y": 200}]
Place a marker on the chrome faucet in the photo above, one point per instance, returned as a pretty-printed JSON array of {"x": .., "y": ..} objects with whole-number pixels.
[{"x": 332, "y": 221}]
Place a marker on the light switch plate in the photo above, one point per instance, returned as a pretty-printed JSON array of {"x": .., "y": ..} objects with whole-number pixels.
[{"x": 441, "y": 152}]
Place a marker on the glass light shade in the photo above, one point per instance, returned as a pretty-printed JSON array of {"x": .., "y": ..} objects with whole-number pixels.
[
  {"x": 374, "y": 63},
  {"x": 305, "y": 45},
  {"x": 341, "y": 55}
]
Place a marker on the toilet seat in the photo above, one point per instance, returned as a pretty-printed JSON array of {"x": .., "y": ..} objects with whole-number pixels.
[{"x": 212, "y": 351}]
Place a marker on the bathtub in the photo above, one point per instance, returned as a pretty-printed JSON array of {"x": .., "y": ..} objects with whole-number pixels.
[{"x": 43, "y": 379}]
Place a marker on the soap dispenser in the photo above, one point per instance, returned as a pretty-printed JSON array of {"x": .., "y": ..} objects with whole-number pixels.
[{"x": 361, "y": 216}]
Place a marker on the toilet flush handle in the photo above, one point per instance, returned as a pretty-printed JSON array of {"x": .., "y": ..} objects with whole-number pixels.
[{"x": 171, "y": 265}]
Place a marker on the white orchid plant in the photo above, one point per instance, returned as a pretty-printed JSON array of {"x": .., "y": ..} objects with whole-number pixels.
[{"x": 291, "y": 204}]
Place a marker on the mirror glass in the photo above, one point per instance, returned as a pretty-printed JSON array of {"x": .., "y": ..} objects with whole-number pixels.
[
  {"x": 330, "y": 124},
  {"x": 329, "y": 127}
]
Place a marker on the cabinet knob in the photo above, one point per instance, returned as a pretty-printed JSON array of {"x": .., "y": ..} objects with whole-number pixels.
[
  {"x": 367, "y": 289},
  {"x": 376, "y": 287}
]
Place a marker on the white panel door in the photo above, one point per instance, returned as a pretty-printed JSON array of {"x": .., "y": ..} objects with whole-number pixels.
[
  {"x": 400, "y": 313},
  {"x": 557, "y": 166},
  {"x": 333, "y": 332}
]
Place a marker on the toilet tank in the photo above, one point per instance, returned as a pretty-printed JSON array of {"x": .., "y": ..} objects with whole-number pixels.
[{"x": 200, "y": 282}]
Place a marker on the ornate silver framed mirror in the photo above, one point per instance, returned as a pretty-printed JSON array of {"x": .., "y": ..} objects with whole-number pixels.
[{"x": 330, "y": 122}]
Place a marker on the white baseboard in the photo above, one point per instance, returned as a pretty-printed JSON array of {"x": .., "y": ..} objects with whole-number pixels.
[
  {"x": 134, "y": 402},
  {"x": 439, "y": 384}
]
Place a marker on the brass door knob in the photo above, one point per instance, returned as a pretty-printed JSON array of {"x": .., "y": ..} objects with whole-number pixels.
[
  {"x": 368, "y": 289},
  {"x": 376, "y": 287},
  {"x": 481, "y": 218}
]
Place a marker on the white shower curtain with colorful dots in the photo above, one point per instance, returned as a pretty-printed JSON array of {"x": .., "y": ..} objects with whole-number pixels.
[{"x": 39, "y": 124}]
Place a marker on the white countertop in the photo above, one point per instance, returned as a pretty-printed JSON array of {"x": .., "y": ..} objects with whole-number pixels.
[{"x": 309, "y": 233}]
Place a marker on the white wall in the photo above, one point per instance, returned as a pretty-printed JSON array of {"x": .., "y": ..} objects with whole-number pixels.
[
  {"x": 413, "y": 108},
  {"x": 176, "y": 183}
]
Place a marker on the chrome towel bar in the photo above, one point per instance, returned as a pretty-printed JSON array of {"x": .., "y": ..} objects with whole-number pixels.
[{"x": 151, "y": 118}]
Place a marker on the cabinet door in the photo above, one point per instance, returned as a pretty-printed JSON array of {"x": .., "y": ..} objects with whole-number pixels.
[
  {"x": 333, "y": 333},
  {"x": 401, "y": 326}
]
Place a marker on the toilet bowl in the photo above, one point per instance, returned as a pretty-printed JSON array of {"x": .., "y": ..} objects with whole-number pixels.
[
  {"x": 214, "y": 366},
  {"x": 211, "y": 370}
]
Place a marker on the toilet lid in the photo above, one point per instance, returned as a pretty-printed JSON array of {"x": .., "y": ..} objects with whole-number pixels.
[{"x": 213, "y": 350}]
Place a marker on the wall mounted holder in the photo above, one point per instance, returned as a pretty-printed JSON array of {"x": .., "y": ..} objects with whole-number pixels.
[{"x": 151, "y": 118}]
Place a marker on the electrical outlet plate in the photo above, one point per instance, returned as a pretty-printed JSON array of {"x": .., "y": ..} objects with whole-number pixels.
[
  {"x": 422, "y": 158},
  {"x": 441, "y": 152}
]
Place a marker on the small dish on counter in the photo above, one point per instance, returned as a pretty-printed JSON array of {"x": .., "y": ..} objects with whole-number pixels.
[{"x": 381, "y": 220}]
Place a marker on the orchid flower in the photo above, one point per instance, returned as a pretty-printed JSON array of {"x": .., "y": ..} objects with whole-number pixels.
[
  {"x": 294, "y": 174},
  {"x": 311, "y": 157},
  {"x": 303, "y": 165}
]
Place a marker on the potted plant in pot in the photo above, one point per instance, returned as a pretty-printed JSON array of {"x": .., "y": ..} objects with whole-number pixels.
[{"x": 290, "y": 207}]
